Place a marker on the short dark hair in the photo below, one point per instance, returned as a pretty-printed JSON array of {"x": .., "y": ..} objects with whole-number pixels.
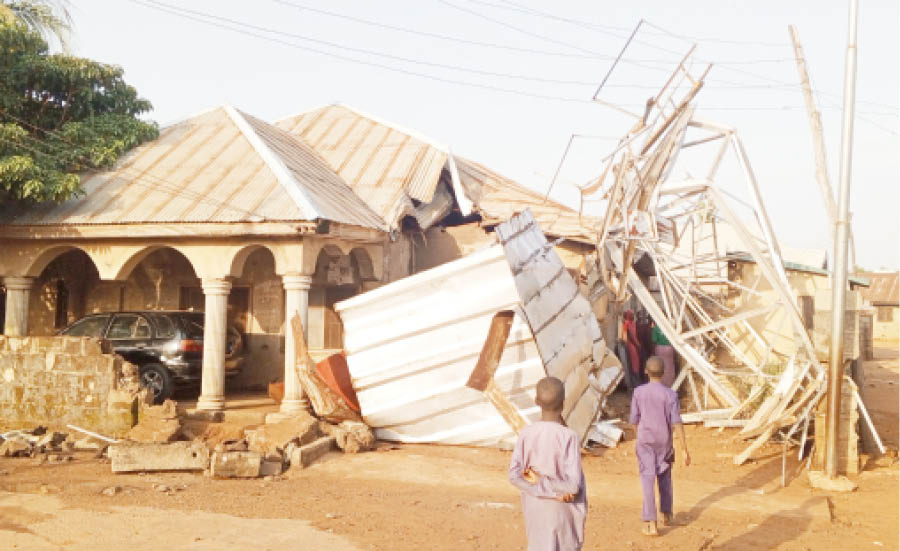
[
  {"x": 550, "y": 394},
  {"x": 655, "y": 367}
]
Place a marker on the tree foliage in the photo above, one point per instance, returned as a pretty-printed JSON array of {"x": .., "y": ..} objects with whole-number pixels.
[
  {"x": 49, "y": 18},
  {"x": 60, "y": 115}
]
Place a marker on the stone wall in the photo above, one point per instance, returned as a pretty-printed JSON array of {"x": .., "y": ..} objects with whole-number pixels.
[{"x": 54, "y": 381}]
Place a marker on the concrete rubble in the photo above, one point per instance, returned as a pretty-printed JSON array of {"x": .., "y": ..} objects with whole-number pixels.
[{"x": 128, "y": 457}]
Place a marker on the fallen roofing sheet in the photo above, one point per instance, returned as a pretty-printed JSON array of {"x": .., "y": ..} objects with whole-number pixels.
[{"x": 413, "y": 344}]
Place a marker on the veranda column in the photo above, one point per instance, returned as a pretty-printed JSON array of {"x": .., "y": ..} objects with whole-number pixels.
[
  {"x": 18, "y": 290},
  {"x": 212, "y": 393},
  {"x": 296, "y": 301}
]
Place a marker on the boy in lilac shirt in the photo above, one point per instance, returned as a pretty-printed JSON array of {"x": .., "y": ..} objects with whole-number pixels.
[
  {"x": 654, "y": 412},
  {"x": 546, "y": 468}
]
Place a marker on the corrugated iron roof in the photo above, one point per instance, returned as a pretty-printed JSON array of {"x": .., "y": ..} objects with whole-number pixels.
[
  {"x": 497, "y": 198},
  {"x": 384, "y": 165},
  {"x": 884, "y": 288},
  {"x": 219, "y": 166}
]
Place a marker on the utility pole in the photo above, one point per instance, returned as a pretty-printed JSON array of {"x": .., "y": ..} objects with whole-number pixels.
[
  {"x": 815, "y": 123},
  {"x": 842, "y": 231}
]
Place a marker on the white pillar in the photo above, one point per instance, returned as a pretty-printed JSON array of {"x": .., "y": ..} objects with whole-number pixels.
[
  {"x": 18, "y": 290},
  {"x": 296, "y": 301},
  {"x": 212, "y": 395}
]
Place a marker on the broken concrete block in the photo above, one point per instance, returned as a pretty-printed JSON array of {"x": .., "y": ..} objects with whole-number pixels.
[
  {"x": 304, "y": 456},
  {"x": 271, "y": 467},
  {"x": 216, "y": 434},
  {"x": 51, "y": 441},
  {"x": 155, "y": 430},
  {"x": 272, "y": 439},
  {"x": 350, "y": 436},
  {"x": 15, "y": 447},
  {"x": 235, "y": 464},
  {"x": 172, "y": 456},
  {"x": 88, "y": 444}
]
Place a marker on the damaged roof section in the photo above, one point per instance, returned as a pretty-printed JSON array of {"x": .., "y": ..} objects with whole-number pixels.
[
  {"x": 400, "y": 172},
  {"x": 412, "y": 345}
]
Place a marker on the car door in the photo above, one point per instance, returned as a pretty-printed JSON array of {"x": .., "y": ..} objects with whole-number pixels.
[{"x": 130, "y": 335}]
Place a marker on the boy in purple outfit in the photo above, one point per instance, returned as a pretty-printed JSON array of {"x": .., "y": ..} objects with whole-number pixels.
[
  {"x": 654, "y": 412},
  {"x": 546, "y": 468}
]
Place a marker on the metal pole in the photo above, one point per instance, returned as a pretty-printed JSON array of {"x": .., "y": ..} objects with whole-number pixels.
[{"x": 842, "y": 230}]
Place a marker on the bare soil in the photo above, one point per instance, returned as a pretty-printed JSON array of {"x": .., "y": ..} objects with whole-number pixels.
[{"x": 432, "y": 497}]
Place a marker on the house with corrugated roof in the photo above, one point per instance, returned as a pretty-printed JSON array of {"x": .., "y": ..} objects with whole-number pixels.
[
  {"x": 251, "y": 222},
  {"x": 883, "y": 295}
]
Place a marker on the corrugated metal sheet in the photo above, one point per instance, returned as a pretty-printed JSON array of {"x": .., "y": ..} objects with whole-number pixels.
[
  {"x": 384, "y": 165},
  {"x": 884, "y": 288},
  {"x": 497, "y": 198},
  {"x": 208, "y": 169},
  {"x": 567, "y": 334},
  {"x": 412, "y": 344}
]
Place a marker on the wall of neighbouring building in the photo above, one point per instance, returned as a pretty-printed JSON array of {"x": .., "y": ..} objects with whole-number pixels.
[
  {"x": 775, "y": 327},
  {"x": 53, "y": 381},
  {"x": 886, "y": 323}
]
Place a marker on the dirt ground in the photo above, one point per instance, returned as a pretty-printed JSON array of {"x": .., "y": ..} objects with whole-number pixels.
[{"x": 431, "y": 497}]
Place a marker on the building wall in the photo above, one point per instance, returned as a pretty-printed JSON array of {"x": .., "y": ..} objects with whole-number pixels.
[
  {"x": 53, "y": 381},
  {"x": 886, "y": 330},
  {"x": 775, "y": 327}
]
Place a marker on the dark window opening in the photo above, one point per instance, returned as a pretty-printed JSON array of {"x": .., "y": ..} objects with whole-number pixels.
[{"x": 62, "y": 305}]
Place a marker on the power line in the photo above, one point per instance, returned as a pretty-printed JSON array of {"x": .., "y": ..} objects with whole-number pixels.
[
  {"x": 364, "y": 62},
  {"x": 725, "y": 65},
  {"x": 235, "y": 26}
]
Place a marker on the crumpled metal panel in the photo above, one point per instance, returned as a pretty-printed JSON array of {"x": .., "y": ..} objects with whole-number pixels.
[
  {"x": 565, "y": 330},
  {"x": 412, "y": 344}
]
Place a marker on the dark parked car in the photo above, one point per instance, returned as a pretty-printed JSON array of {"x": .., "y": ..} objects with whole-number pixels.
[{"x": 167, "y": 347}]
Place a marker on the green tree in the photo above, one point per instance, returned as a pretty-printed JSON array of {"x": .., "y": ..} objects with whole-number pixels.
[
  {"x": 59, "y": 116},
  {"x": 49, "y": 18}
]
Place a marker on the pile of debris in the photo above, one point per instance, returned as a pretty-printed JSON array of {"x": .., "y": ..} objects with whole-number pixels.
[
  {"x": 50, "y": 446},
  {"x": 662, "y": 244}
]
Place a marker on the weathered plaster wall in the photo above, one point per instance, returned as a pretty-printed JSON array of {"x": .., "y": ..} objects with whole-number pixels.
[
  {"x": 58, "y": 380},
  {"x": 886, "y": 330},
  {"x": 264, "y": 326}
]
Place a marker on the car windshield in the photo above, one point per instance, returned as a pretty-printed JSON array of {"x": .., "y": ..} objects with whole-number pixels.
[
  {"x": 88, "y": 327},
  {"x": 193, "y": 325}
]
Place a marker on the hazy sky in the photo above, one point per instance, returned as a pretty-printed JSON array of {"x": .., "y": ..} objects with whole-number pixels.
[{"x": 529, "y": 78}]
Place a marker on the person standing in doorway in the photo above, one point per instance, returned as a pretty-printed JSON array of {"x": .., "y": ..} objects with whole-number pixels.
[{"x": 655, "y": 412}]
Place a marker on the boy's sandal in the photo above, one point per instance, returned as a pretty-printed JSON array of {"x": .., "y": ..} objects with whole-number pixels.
[{"x": 649, "y": 530}]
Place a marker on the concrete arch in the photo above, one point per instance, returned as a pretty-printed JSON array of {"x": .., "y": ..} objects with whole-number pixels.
[
  {"x": 363, "y": 263},
  {"x": 48, "y": 255},
  {"x": 124, "y": 270},
  {"x": 240, "y": 256}
]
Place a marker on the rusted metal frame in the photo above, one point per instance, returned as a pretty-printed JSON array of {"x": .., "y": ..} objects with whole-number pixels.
[
  {"x": 662, "y": 286},
  {"x": 694, "y": 394},
  {"x": 756, "y": 312},
  {"x": 762, "y": 215},
  {"x": 770, "y": 273},
  {"x": 681, "y": 108},
  {"x": 865, "y": 414},
  {"x": 702, "y": 141},
  {"x": 720, "y": 334}
]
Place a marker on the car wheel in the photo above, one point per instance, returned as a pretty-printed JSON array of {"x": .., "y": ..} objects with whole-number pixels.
[{"x": 158, "y": 381}]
